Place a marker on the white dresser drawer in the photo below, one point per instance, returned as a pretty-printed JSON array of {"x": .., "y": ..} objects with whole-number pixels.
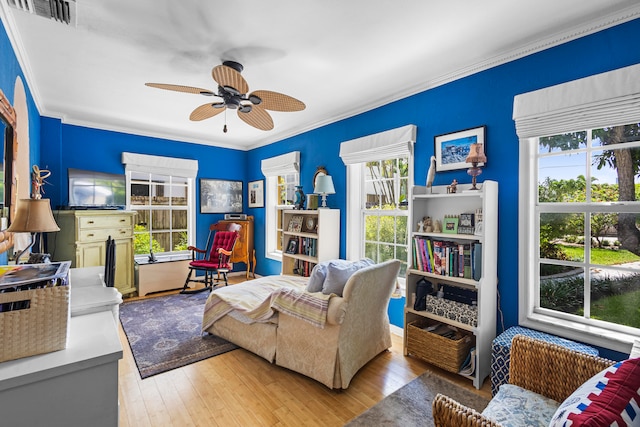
[
  {"x": 87, "y": 235},
  {"x": 107, "y": 221}
]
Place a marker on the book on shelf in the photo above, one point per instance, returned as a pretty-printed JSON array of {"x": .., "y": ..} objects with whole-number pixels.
[
  {"x": 447, "y": 258},
  {"x": 477, "y": 261},
  {"x": 303, "y": 268},
  {"x": 469, "y": 365}
]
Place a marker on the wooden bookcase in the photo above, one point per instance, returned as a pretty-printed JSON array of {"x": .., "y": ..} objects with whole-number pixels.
[
  {"x": 309, "y": 237},
  {"x": 438, "y": 204}
]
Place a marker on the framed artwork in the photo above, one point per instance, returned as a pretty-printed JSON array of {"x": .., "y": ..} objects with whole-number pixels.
[
  {"x": 452, "y": 149},
  {"x": 220, "y": 196},
  {"x": 292, "y": 247},
  {"x": 450, "y": 225},
  {"x": 256, "y": 194}
]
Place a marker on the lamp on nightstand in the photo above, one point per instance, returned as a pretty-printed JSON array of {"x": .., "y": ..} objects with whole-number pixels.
[
  {"x": 324, "y": 186},
  {"x": 33, "y": 216}
]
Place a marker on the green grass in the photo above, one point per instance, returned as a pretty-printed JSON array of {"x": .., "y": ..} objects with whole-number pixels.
[
  {"x": 601, "y": 256},
  {"x": 622, "y": 309}
]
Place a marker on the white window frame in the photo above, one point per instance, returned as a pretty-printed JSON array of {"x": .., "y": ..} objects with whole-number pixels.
[
  {"x": 606, "y": 99},
  {"x": 172, "y": 167},
  {"x": 355, "y": 153},
  {"x": 272, "y": 168}
]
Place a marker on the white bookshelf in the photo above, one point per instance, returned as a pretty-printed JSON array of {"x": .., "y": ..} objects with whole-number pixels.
[
  {"x": 436, "y": 203},
  {"x": 323, "y": 237}
]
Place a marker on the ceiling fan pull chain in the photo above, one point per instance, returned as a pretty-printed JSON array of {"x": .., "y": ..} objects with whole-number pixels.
[{"x": 224, "y": 129}]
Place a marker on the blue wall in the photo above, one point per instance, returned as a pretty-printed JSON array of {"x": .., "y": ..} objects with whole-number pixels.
[
  {"x": 67, "y": 146},
  {"x": 485, "y": 98},
  {"x": 10, "y": 72}
]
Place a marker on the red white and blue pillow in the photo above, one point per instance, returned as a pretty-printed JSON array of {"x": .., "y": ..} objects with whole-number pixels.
[{"x": 609, "y": 398}]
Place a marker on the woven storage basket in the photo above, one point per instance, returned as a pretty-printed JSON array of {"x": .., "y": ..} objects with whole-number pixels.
[
  {"x": 445, "y": 353},
  {"x": 41, "y": 328}
]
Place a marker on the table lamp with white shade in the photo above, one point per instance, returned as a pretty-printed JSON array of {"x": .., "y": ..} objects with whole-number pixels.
[{"x": 324, "y": 186}]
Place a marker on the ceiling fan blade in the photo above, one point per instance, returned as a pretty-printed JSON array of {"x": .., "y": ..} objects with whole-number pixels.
[
  {"x": 258, "y": 117},
  {"x": 275, "y": 101},
  {"x": 227, "y": 76},
  {"x": 205, "y": 111},
  {"x": 179, "y": 88}
]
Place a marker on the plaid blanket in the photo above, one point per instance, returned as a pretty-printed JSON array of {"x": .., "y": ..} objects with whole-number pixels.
[{"x": 258, "y": 301}]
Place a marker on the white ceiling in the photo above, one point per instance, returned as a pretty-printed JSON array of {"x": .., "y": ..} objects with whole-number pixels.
[{"x": 339, "y": 57}]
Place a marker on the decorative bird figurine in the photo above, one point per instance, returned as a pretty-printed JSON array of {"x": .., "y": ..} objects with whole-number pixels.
[{"x": 431, "y": 174}]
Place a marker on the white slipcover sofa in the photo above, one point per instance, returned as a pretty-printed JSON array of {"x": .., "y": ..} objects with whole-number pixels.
[{"x": 355, "y": 330}]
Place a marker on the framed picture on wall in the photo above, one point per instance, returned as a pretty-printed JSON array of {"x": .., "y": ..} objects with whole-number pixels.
[
  {"x": 256, "y": 194},
  {"x": 453, "y": 148},
  {"x": 220, "y": 196}
]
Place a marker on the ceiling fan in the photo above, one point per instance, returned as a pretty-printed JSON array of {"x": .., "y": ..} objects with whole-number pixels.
[{"x": 233, "y": 89}]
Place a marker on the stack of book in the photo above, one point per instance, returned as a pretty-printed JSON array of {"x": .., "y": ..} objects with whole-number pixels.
[{"x": 448, "y": 258}]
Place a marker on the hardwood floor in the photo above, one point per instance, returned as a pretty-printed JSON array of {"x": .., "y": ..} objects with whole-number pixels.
[{"x": 241, "y": 389}]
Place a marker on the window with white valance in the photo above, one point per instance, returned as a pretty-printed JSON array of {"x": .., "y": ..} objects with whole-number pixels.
[
  {"x": 162, "y": 191},
  {"x": 575, "y": 140},
  {"x": 379, "y": 179},
  {"x": 282, "y": 174}
]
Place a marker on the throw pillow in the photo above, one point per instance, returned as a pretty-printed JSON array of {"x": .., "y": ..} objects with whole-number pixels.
[
  {"x": 316, "y": 279},
  {"x": 611, "y": 397},
  {"x": 514, "y": 406},
  {"x": 319, "y": 274},
  {"x": 338, "y": 273}
]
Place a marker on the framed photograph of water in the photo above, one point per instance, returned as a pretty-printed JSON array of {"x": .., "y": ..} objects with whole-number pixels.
[{"x": 452, "y": 148}]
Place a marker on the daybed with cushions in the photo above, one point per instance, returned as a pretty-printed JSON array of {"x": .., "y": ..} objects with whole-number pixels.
[
  {"x": 550, "y": 385},
  {"x": 325, "y": 336}
]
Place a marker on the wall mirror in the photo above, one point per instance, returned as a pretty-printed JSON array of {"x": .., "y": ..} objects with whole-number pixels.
[{"x": 7, "y": 190}]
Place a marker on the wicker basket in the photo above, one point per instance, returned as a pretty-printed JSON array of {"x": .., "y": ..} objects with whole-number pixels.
[
  {"x": 41, "y": 328},
  {"x": 445, "y": 353}
]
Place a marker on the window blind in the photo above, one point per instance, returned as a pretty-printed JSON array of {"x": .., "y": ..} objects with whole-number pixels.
[
  {"x": 170, "y": 166},
  {"x": 607, "y": 99},
  {"x": 393, "y": 143},
  {"x": 284, "y": 164}
]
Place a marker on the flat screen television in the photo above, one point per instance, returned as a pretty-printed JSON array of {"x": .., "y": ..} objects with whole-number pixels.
[{"x": 90, "y": 189}]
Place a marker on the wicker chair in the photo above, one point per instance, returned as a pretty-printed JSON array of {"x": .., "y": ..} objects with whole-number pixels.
[{"x": 544, "y": 368}]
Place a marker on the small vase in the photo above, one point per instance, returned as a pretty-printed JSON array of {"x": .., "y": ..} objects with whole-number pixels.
[{"x": 299, "y": 198}]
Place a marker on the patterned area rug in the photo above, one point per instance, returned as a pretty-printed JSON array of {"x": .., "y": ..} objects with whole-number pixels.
[
  {"x": 411, "y": 404},
  {"x": 164, "y": 333}
]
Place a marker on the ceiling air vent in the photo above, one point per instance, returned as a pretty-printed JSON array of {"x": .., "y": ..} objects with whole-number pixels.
[{"x": 61, "y": 10}]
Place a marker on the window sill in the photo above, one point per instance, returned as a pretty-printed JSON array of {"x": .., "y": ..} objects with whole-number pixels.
[
  {"x": 589, "y": 334},
  {"x": 144, "y": 259},
  {"x": 276, "y": 256}
]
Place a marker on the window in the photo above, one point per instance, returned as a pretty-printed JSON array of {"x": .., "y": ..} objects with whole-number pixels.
[
  {"x": 162, "y": 205},
  {"x": 379, "y": 174},
  {"x": 579, "y": 274},
  {"x": 165, "y": 204},
  {"x": 282, "y": 175},
  {"x": 384, "y": 210}
]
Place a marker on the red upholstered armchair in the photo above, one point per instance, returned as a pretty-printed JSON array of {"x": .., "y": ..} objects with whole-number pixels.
[{"x": 214, "y": 260}]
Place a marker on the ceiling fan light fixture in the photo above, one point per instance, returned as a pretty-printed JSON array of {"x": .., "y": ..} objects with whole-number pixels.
[
  {"x": 233, "y": 103},
  {"x": 256, "y": 100}
]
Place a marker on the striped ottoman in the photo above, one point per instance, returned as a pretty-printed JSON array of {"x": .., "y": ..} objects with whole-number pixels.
[{"x": 501, "y": 349}]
